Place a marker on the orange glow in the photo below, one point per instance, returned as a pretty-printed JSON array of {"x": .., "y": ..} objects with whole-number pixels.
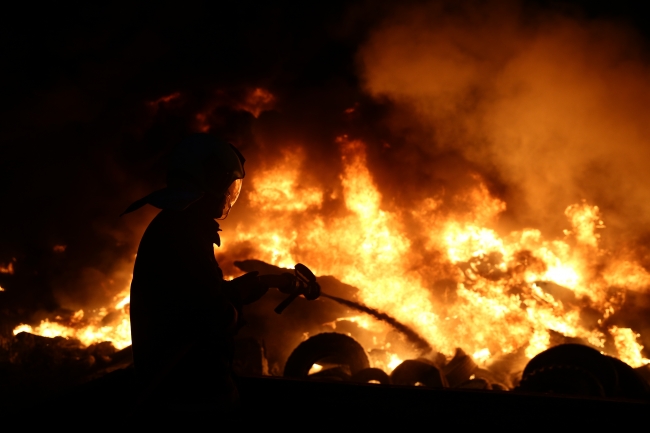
[
  {"x": 59, "y": 248},
  {"x": 202, "y": 123},
  {"x": 88, "y": 327},
  {"x": 501, "y": 264},
  {"x": 165, "y": 99},
  {"x": 8, "y": 268},
  {"x": 257, "y": 101},
  {"x": 504, "y": 283},
  {"x": 629, "y": 350},
  {"x": 510, "y": 290},
  {"x": 278, "y": 189}
]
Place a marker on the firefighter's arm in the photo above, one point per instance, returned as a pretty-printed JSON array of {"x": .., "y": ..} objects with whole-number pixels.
[
  {"x": 250, "y": 287},
  {"x": 284, "y": 282},
  {"x": 245, "y": 289}
]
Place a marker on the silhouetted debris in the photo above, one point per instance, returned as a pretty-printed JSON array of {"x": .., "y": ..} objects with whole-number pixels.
[
  {"x": 584, "y": 361},
  {"x": 418, "y": 372},
  {"x": 630, "y": 383},
  {"x": 644, "y": 372},
  {"x": 573, "y": 369},
  {"x": 53, "y": 363},
  {"x": 563, "y": 379},
  {"x": 488, "y": 376},
  {"x": 476, "y": 383},
  {"x": 338, "y": 373},
  {"x": 119, "y": 360},
  {"x": 368, "y": 375},
  {"x": 507, "y": 369},
  {"x": 459, "y": 369}
]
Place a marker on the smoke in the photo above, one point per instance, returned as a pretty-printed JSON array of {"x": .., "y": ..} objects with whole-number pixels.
[{"x": 552, "y": 107}]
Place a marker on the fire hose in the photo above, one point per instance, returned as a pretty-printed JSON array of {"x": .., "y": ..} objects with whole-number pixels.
[{"x": 303, "y": 282}]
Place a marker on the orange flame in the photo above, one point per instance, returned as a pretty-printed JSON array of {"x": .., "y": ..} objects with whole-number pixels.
[
  {"x": 511, "y": 291},
  {"x": 506, "y": 286},
  {"x": 89, "y": 327}
]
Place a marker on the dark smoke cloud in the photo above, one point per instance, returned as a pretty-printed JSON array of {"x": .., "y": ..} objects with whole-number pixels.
[{"x": 82, "y": 136}]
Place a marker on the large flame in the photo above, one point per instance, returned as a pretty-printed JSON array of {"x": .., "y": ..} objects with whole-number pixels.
[{"x": 511, "y": 291}]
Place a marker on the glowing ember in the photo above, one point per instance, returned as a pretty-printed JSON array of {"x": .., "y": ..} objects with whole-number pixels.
[{"x": 315, "y": 369}]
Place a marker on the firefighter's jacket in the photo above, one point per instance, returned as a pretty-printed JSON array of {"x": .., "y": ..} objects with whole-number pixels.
[{"x": 182, "y": 317}]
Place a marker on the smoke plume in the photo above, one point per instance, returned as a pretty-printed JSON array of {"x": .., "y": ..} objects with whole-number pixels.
[{"x": 552, "y": 107}]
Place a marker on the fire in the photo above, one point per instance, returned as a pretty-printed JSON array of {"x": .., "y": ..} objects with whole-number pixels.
[
  {"x": 394, "y": 362},
  {"x": 503, "y": 292},
  {"x": 89, "y": 327},
  {"x": 278, "y": 188},
  {"x": 511, "y": 290},
  {"x": 629, "y": 350}
]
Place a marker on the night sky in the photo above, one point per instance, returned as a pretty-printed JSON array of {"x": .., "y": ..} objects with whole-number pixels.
[{"x": 82, "y": 135}]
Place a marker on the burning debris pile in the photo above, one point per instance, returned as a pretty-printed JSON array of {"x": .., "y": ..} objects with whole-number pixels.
[
  {"x": 502, "y": 299},
  {"x": 33, "y": 362},
  {"x": 473, "y": 206}
]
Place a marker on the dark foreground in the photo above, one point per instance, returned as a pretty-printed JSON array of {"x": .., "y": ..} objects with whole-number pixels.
[{"x": 271, "y": 402}]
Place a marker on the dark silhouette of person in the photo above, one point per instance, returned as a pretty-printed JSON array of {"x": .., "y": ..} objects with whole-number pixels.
[{"x": 183, "y": 313}]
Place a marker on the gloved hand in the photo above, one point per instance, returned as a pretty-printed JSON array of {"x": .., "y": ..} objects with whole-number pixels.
[{"x": 248, "y": 287}]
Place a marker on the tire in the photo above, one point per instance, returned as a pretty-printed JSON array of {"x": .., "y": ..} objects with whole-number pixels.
[
  {"x": 336, "y": 374},
  {"x": 476, "y": 383},
  {"x": 331, "y": 347},
  {"x": 582, "y": 358},
  {"x": 630, "y": 383},
  {"x": 564, "y": 380},
  {"x": 413, "y": 371},
  {"x": 368, "y": 374}
]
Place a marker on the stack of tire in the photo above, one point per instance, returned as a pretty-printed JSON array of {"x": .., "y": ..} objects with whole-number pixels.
[
  {"x": 573, "y": 369},
  {"x": 351, "y": 363}
]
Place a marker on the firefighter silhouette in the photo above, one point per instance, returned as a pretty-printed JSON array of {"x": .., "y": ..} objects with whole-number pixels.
[{"x": 183, "y": 314}]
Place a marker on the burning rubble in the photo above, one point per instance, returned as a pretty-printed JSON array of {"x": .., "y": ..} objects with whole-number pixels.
[
  {"x": 504, "y": 299},
  {"x": 470, "y": 240}
]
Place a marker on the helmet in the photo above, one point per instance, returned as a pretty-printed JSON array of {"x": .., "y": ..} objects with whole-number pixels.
[{"x": 200, "y": 165}]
